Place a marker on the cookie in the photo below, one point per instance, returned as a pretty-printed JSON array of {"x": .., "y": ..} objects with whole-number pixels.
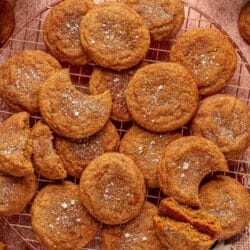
[
  {"x": 112, "y": 188},
  {"x": 224, "y": 120},
  {"x": 162, "y": 97},
  {"x": 228, "y": 201},
  {"x": 16, "y": 193},
  {"x": 7, "y": 21},
  {"x": 114, "y": 36},
  {"x": 22, "y": 75},
  {"x": 184, "y": 164},
  {"x": 196, "y": 218},
  {"x": 2, "y": 246},
  {"x": 59, "y": 220},
  {"x": 146, "y": 148},
  {"x": 16, "y": 145},
  {"x": 46, "y": 161},
  {"x": 164, "y": 18},
  {"x": 137, "y": 234},
  {"x": 208, "y": 55},
  {"x": 62, "y": 31},
  {"x": 77, "y": 154},
  {"x": 180, "y": 235},
  {"x": 244, "y": 22},
  {"x": 69, "y": 112}
]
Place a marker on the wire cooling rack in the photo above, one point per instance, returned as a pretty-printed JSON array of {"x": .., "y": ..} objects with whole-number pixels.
[{"x": 16, "y": 230}]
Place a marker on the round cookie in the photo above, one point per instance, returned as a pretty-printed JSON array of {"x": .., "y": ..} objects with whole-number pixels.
[
  {"x": 22, "y": 75},
  {"x": 162, "y": 97},
  {"x": 16, "y": 193},
  {"x": 77, "y": 154},
  {"x": 227, "y": 200},
  {"x": 183, "y": 166},
  {"x": 59, "y": 219},
  {"x": 146, "y": 148},
  {"x": 208, "y": 55},
  {"x": 69, "y": 112},
  {"x": 114, "y": 36},
  {"x": 224, "y": 120},
  {"x": 112, "y": 188},
  {"x": 7, "y": 21},
  {"x": 137, "y": 234},
  {"x": 244, "y": 22},
  {"x": 164, "y": 18},
  {"x": 62, "y": 31},
  {"x": 46, "y": 161}
]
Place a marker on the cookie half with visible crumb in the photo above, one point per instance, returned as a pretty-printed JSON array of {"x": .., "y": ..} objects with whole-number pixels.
[
  {"x": 208, "y": 55},
  {"x": 46, "y": 161},
  {"x": 184, "y": 164},
  {"x": 16, "y": 193},
  {"x": 16, "y": 145},
  {"x": 113, "y": 189},
  {"x": 62, "y": 31},
  {"x": 59, "y": 219},
  {"x": 137, "y": 234},
  {"x": 77, "y": 154},
  {"x": 146, "y": 149},
  {"x": 225, "y": 199},
  {"x": 244, "y": 22},
  {"x": 114, "y": 36},
  {"x": 164, "y": 18},
  {"x": 69, "y": 112}
]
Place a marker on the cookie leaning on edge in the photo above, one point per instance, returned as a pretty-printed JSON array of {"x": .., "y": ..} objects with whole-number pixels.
[{"x": 244, "y": 22}]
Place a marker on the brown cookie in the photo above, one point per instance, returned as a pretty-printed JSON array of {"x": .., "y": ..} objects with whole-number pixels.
[
  {"x": 224, "y": 120},
  {"x": 183, "y": 166},
  {"x": 46, "y": 161},
  {"x": 59, "y": 220},
  {"x": 62, "y": 31},
  {"x": 114, "y": 36},
  {"x": 146, "y": 148},
  {"x": 7, "y": 21},
  {"x": 112, "y": 188},
  {"x": 162, "y": 97},
  {"x": 2, "y": 246},
  {"x": 244, "y": 22},
  {"x": 164, "y": 18},
  {"x": 16, "y": 193},
  {"x": 77, "y": 154},
  {"x": 208, "y": 55},
  {"x": 16, "y": 145},
  {"x": 137, "y": 234},
  {"x": 69, "y": 112},
  {"x": 22, "y": 75},
  {"x": 228, "y": 201}
]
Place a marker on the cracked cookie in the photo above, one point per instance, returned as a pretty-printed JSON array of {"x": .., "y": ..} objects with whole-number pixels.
[{"x": 244, "y": 22}]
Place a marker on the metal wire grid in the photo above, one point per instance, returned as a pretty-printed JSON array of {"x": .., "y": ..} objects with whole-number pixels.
[{"x": 30, "y": 37}]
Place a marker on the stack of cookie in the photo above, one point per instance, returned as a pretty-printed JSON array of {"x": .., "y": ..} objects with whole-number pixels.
[{"x": 76, "y": 137}]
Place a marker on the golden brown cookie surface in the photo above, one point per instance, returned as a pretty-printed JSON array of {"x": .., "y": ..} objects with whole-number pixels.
[
  {"x": 227, "y": 200},
  {"x": 16, "y": 193},
  {"x": 46, "y": 161},
  {"x": 22, "y": 76},
  {"x": 112, "y": 188},
  {"x": 59, "y": 219},
  {"x": 224, "y": 120},
  {"x": 69, "y": 112},
  {"x": 114, "y": 36},
  {"x": 164, "y": 18},
  {"x": 208, "y": 55},
  {"x": 77, "y": 154},
  {"x": 184, "y": 164},
  {"x": 244, "y": 22},
  {"x": 146, "y": 148},
  {"x": 2, "y": 246},
  {"x": 7, "y": 21},
  {"x": 137, "y": 234},
  {"x": 61, "y": 31},
  {"x": 16, "y": 145},
  {"x": 162, "y": 97}
]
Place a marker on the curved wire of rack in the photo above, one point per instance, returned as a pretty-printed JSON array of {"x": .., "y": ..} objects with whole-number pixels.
[{"x": 16, "y": 230}]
